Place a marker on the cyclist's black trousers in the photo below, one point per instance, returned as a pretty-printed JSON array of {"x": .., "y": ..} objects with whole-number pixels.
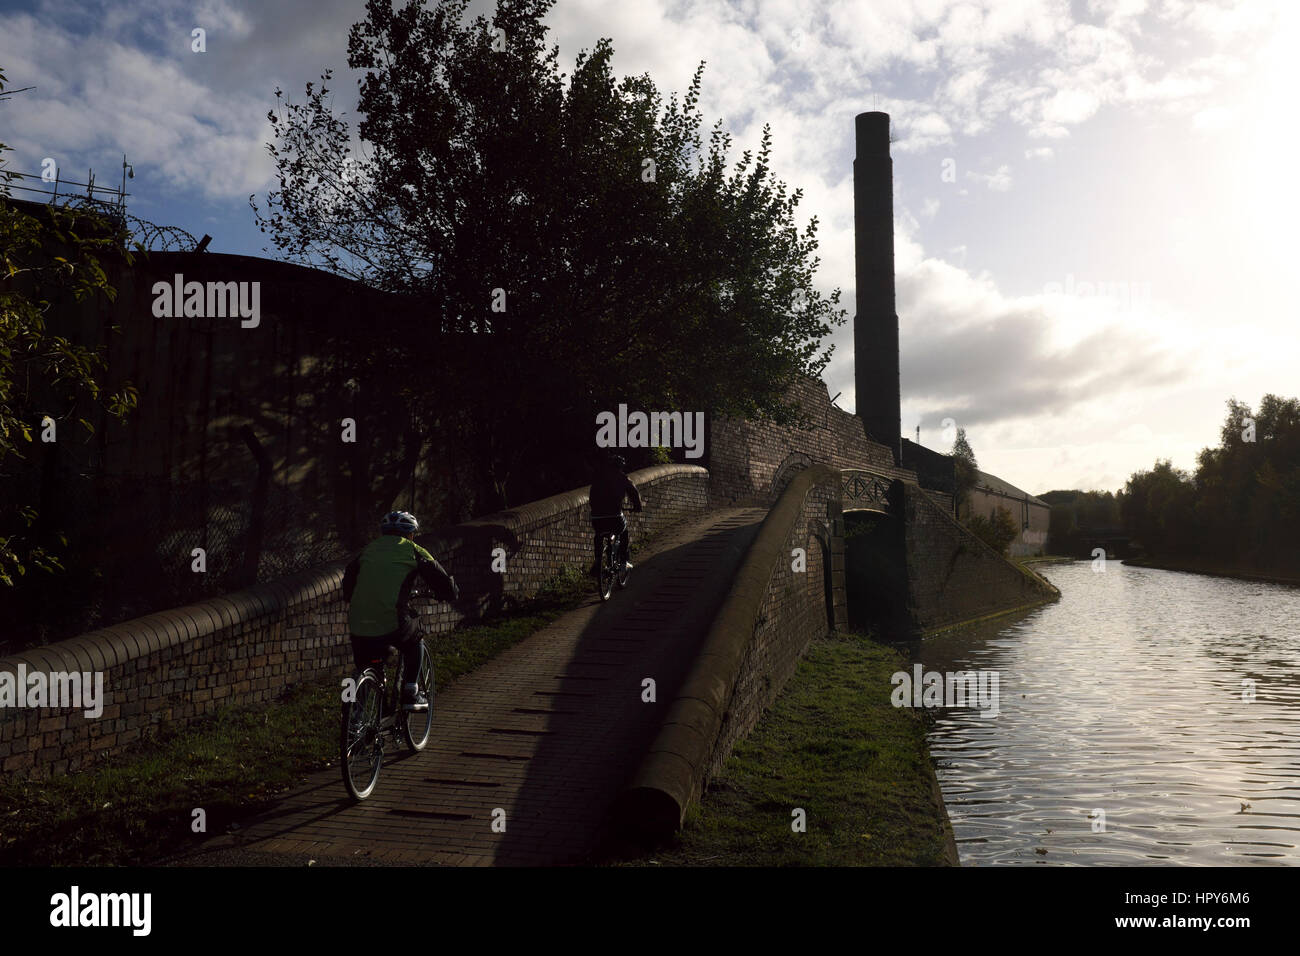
[{"x": 406, "y": 639}]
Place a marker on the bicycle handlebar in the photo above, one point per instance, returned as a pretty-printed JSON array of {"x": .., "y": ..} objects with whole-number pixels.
[{"x": 424, "y": 590}]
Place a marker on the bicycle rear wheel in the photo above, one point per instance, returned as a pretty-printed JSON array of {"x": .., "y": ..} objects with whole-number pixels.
[
  {"x": 360, "y": 744},
  {"x": 607, "y": 571},
  {"x": 417, "y": 724}
]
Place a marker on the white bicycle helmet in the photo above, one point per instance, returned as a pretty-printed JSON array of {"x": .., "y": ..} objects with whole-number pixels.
[{"x": 403, "y": 522}]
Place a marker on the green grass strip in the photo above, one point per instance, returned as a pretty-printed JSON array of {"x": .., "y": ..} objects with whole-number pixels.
[{"x": 834, "y": 746}]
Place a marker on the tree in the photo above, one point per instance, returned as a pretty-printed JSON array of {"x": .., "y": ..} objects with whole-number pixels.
[
  {"x": 1158, "y": 509},
  {"x": 1241, "y": 508},
  {"x": 575, "y": 245},
  {"x": 998, "y": 532},
  {"x": 1248, "y": 488},
  {"x": 965, "y": 471},
  {"x": 48, "y": 384}
]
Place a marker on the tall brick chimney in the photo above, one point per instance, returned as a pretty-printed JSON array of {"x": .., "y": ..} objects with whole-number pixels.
[{"x": 875, "y": 327}]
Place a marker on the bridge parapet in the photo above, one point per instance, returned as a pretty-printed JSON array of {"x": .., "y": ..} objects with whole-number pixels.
[{"x": 778, "y": 602}]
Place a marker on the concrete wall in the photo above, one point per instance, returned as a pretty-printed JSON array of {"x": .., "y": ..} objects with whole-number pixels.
[
  {"x": 752, "y": 461},
  {"x": 766, "y": 622},
  {"x": 248, "y": 647},
  {"x": 953, "y": 576}
]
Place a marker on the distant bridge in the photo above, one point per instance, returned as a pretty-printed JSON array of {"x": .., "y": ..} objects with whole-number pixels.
[{"x": 1112, "y": 541}]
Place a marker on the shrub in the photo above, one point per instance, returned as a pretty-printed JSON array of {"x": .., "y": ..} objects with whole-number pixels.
[{"x": 997, "y": 533}]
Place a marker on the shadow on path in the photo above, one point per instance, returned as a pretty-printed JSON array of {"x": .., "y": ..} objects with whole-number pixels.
[{"x": 530, "y": 751}]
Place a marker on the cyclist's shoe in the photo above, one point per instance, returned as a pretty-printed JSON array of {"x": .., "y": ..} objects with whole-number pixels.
[
  {"x": 412, "y": 699},
  {"x": 627, "y": 567}
]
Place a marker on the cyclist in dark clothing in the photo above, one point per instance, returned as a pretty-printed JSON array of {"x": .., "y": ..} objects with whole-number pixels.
[
  {"x": 377, "y": 585},
  {"x": 609, "y": 486}
]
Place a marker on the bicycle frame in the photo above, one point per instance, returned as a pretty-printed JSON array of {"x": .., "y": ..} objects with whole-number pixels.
[{"x": 390, "y": 698}]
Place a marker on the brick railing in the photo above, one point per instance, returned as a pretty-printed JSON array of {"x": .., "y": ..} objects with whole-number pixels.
[{"x": 178, "y": 665}]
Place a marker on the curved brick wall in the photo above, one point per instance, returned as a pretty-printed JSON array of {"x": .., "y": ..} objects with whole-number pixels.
[
  {"x": 763, "y": 628},
  {"x": 249, "y": 646}
]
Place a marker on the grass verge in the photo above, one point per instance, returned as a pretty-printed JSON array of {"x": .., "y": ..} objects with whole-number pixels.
[
  {"x": 231, "y": 764},
  {"x": 833, "y": 746}
]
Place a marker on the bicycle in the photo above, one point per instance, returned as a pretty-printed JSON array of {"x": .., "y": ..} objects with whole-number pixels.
[
  {"x": 610, "y": 570},
  {"x": 374, "y": 713}
]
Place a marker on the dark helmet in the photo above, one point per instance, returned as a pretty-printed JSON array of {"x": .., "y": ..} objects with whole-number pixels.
[{"x": 403, "y": 522}]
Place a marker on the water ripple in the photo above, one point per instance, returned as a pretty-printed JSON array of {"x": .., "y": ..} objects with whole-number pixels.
[{"x": 1129, "y": 696}]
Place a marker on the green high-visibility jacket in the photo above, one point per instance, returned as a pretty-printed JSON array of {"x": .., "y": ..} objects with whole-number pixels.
[{"x": 378, "y": 584}]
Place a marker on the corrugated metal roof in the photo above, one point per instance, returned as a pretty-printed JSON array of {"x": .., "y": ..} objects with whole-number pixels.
[{"x": 994, "y": 483}]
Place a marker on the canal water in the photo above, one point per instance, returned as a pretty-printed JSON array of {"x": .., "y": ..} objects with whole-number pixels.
[{"x": 1130, "y": 696}]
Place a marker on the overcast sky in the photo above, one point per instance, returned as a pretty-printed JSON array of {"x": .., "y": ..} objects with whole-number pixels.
[{"x": 1095, "y": 201}]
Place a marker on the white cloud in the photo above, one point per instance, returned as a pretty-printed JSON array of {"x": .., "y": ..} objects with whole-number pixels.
[
  {"x": 999, "y": 181},
  {"x": 1212, "y": 118},
  {"x": 1117, "y": 12},
  {"x": 1048, "y": 132},
  {"x": 192, "y": 121},
  {"x": 1229, "y": 19},
  {"x": 222, "y": 20},
  {"x": 1070, "y": 107},
  {"x": 1026, "y": 60}
]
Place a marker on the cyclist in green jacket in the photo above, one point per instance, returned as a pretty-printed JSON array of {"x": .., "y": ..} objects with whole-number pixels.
[{"x": 377, "y": 583}]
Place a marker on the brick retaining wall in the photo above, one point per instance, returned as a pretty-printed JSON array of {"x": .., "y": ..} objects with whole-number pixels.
[
  {"x": 248, "y": 647},
  {"x": 955, "y": 577}
]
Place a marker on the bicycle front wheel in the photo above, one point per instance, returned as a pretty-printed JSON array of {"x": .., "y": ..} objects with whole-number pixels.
[
  {"x": 622, "y": 575},
  {"x": 417, "y": 724},
  {"x": 361, "y": 746}
]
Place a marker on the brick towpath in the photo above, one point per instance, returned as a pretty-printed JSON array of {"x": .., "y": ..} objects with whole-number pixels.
[{"x": 548, "y": 731}]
